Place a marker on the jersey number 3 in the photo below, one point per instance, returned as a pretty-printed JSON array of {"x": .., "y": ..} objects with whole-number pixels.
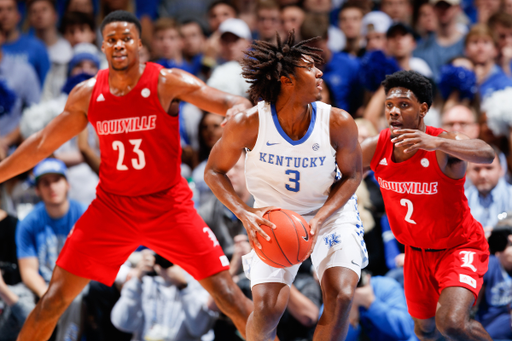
[
  {"x": 138, "y": 163},
  {"x": 410, "y": 209},
  {"x": 294, "y": 181}
]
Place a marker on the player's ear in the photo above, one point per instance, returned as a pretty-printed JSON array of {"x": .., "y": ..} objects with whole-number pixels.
[
  {"x": 287, "y": 81},
  {"x": 423, "y": 109},
  {"x": 103, "y": 46}
]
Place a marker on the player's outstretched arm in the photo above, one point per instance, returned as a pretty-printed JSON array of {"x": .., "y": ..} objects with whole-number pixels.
[
  {"x": 343, "y": 131},
  {"x": 176, "y": 84},
  {"x": 62, "y": 128},
  {"x": 240, "y": 132},
  {"x": 368, "y": 148},
  {"x": 454, "y": 144}
]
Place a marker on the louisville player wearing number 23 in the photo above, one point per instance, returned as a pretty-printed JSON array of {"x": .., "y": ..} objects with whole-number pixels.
[
  {"x": 296, "y": 146},
  {"x": 141, "y": 197},
  {"x": 421, "y": 172}
]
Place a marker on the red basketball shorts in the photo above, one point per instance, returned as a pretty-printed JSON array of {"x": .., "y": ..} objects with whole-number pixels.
[
  {"x": 427, "y": 273},
  {"x": 166, "y": 222}
]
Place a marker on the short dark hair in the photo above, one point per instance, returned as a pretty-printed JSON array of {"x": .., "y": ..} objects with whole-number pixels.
[
  {"x": 76, "y": 19},
  {"x": 52, "y": 2},
  {"x": 314, "y": 24},
  {"x": 265, "y": 63},
  {"x": 123, "y": 16},
  {"x": 411, "y": 80},
  {"x": 189, "y": 21},
  {"x": 222, "y": 2}
]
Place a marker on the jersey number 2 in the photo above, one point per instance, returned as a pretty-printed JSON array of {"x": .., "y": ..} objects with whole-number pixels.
[
  {"x": 136, "y": 163},
  {"x": 410, "y": 209}
]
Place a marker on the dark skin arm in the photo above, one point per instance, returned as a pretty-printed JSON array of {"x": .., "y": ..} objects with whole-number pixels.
[
  {"x": 240, "y": 132},
  {"x": 41, "y": 144},
  {"x": 179, "y": 85},
  {"x": 452, "y": 149},
  {"x": 343, "y": 131}
]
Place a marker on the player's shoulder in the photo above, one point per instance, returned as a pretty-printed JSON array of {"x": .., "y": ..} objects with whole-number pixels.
[
  {"x": 80, "y": 96},
  {"x": 341, "y": 120},
  {"x": 175, "y": 77},
  {"x": 244, "y": 119}
]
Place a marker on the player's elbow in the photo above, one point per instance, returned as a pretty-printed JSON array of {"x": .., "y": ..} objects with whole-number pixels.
[{"x": 488, "y": 154}]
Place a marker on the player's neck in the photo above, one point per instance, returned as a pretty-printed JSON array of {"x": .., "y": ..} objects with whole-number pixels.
[
  {"x": 294, "y": 116},
  {"x": 122, "y": 82},
  {"x": 57, "y": 211}
]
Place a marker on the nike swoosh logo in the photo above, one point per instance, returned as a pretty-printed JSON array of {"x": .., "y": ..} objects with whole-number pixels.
[
  {"x": 355, "y": 263},
  {"x": 271, "y": 144},
  {"x": 306, "y": 238}
]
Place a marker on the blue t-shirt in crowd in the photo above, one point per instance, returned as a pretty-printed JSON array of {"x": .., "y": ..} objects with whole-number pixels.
[
  {"x": 387, "y": 318},
  {"x": 436, "y": 55},
  {"x": 486, "y": 209},
  {"x": 493, "y": 311},
  {"x": 30, "y": 50},
  {"x": 193, "y": 67},
  {"x": 341, "y": 76},
  {"x": 39, "y": 235},
  {"x": 497, "y": 80}
]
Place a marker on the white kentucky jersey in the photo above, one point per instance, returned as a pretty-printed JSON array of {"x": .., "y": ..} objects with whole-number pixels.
[{"x": 294, "y": 175}]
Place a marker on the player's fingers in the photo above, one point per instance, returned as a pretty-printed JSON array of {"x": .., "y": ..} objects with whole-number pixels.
[
  {"x": 254, "y": 240},
  {"x": 268, "y": 223},
  {"x": 262, "y": 233},
  {"x": 224, "y": 121},
  {"x": 413, "y": 148}
]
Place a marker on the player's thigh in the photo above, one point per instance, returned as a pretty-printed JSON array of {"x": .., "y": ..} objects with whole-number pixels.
[
  {"x": 454, "y": 306},
  {"x": 259, "y": 272},
  {"x": 339, "y": 245},
  {"x": 182, "y": 237},
  {"x": 420, "y": 286},
  {"x": 101, "y": 240}
]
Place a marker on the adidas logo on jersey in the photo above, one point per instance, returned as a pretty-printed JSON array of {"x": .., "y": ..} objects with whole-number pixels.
[
  {"x": 383, "y": 162},
  {"x": 100, "y": 98}
]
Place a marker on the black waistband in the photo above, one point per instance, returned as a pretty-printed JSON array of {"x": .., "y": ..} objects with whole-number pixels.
[{"x": 427, "y": 250}]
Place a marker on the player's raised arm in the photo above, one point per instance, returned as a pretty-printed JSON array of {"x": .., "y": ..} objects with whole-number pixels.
[
  {"x": 343, "y": 131},
  {"x": 62, "y": 128},
  {"x": 191, "y": 89},
  {"x": 240, "y": 133}
]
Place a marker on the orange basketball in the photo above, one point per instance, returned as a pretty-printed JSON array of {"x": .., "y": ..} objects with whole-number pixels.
[{"x": 289, "y": 243}]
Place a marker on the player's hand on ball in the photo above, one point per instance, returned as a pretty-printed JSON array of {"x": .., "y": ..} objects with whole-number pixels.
[
  {"x": 414, "y": 139},
  {"x": 252, "y": 219},
  {"x": 314, "y": 225}
]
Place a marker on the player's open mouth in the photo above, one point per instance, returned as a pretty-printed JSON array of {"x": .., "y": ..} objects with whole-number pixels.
[
  {"x": 395, "y": 125},
  {"x": 319, "y": 85},
  {"x": 119, "y": 58}
]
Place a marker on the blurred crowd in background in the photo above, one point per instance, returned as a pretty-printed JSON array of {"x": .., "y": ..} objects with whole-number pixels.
[{"x": 48, "y": 46}]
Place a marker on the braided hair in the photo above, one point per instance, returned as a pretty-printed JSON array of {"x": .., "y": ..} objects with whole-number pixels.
[{"x": 265, "y": 63}]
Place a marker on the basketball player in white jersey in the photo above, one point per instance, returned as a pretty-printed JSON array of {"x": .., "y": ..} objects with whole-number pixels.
[{"x": 295, "y": 145}]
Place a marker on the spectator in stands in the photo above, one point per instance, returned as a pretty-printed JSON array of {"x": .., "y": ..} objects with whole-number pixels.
[
  {"x": 19, "y": 87},
  {"x": 426, "y": 23},
  {"x": 398, "y": 10},
  {"x": 223, "y": 222},
  {"x": 460, "y": 118},
  {"x": 235, "y": 38},
  {"x": 489, "y": 194},
  {"x": 374, "y": 27},
  {"x": 379, "y": 310},
  {"x": 480, "y": 46},
  {"x": 168, "y": 306},
  {"x": 340, "y": 69},
  {"x": 21, "y": 46},
  {"x": 210, "y": 131},
  {"x": 42, "y": 15},
  {"x": 167, "y": 47},
  {"x": 42, "y": 234},
  {"x": 194, "y": 38},
  {"x": 496, "y": 293},
  {"x": 84, "y": 6},
  {"x": 401, "y": 44},
  {"x": 447, "y": 42},
  {"x": 486, "y": 9},
  {"x": 507, "y": 6},
  {"x": 501, "y": 25},
  {"x": 78, "y": 27},
  {"x": 350, "y": 21},
  {"x": 268, "y": 20},
  {"x": 292, "y": 17},
  {"x": 217, "y": 13}
]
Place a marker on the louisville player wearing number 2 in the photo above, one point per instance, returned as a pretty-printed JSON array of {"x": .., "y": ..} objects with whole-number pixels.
[
  {"x": 421, "y": 172},
  {"x": 141, "y": 197},
  {"x": 295, "y": 146}
]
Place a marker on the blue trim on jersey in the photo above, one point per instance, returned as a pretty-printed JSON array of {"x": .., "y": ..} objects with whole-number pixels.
[{"x": 283, "y": 134}]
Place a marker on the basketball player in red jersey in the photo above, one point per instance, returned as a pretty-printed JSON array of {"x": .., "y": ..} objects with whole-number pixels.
[
  {"x": 141, "y": 197},
  {"x": 421, "y": 172}
]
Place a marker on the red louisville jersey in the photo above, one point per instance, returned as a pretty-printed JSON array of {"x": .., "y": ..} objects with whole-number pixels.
[
  {"x": 426, "y": 209},
  {"x": 139, "y": 142}
]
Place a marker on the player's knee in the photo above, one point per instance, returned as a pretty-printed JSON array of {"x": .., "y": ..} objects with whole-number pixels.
[
  {"x": 451, "y": 324},
  {"x": 342, "y": 299},
  {"x": 54, "y": 301},
  {"x": 425, "y": 332},
  {"x": 269, "y": 312}
]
